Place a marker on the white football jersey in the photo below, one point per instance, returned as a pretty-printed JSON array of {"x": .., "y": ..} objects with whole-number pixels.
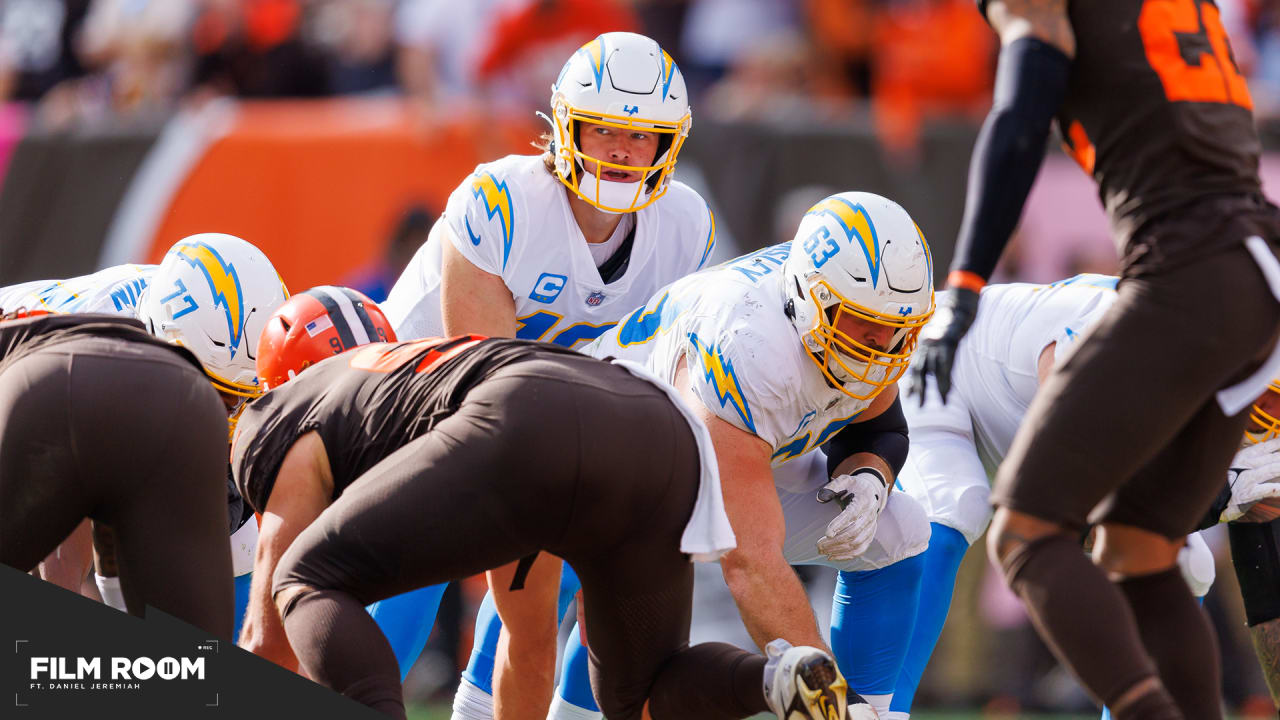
[
  {"x": 512, "y": 218},
  {"x": 115, "y": 290},
  {"x": 995, "y": 369},
  {"x": 956, "y": 447},
  {"x": 744, "y": 356}
]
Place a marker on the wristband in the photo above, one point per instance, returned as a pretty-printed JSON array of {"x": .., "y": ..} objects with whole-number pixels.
[{"x": 965, "y": 280}]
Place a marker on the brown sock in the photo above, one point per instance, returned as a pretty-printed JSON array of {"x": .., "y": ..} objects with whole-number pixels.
[
  {"x": 709, "y": 680},
  {"x": 1085, "y": 621},
  {"x": 1178, "y": 636},
  {"x": 340, "y": 646}
]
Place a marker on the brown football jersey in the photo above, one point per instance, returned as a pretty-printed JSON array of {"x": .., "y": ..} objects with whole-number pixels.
[
  {"x": 23, "y": 336},
  {"x": 1156, "y": 110},
  {"x": 365, "y": 404}
]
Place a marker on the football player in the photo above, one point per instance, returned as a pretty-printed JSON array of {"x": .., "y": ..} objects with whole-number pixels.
[
  {"x": 781, "y": 352},
  {"x": 211, "y": 294},
  {"x": 374, "y": 468},
  {"x": 1255, "y": 535},
  {"x": 1135, "y": 431},
  {"x": 1022, "y": 333},
  {"x": 556, "y": 247},
  {"x": 66, "y": 384}
]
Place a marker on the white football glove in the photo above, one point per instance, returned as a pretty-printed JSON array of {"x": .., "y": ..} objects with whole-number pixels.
[
  {"x": 1254, "y": 476},
  {"x": 863, "y": 495}
]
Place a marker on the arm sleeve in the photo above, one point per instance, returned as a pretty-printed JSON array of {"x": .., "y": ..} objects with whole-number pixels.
[
  {"x": 885, "y": 435},
  {"x": 1031, "y": 81}
]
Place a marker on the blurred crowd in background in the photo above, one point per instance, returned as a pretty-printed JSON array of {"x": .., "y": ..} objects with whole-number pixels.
[
  {"x": 897, "y": 62},
  {"x": 889, "y": 66}
]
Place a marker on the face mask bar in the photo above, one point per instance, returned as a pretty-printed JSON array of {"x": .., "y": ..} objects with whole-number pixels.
[
  {"x": 861, "y": 364},
  {"x": 1263, "y": 426},
  {"x": 233, "y": 416},
  {"x": 578, "y": 161}
]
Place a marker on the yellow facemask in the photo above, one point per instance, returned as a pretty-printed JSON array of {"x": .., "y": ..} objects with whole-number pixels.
[
  {"x": 860, "y": 363},
  {"x": 1262, "y": 426},
  {"x": 573, "y": 166}
]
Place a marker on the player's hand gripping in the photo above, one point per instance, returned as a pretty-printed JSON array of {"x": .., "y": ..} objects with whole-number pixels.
[
  {"x": 862, "y": 494},
  {"x": 957, "y": 307},
  {"x": 1254, "y": 478}
]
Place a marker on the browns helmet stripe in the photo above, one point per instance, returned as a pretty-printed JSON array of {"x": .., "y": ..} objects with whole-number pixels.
[
  {"x": 357, "y": 301},
  {"x": 350, "y": 311},
  {"x": 336, "y": 315}
]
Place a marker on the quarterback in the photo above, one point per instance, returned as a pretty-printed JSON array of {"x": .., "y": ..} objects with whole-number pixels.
[
  {"x": 211, "y": 294},
  {"x": 556, "y": 247}
]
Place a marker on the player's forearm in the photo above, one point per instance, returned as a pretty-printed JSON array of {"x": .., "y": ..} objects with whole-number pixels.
[
  {"x": 523, "y": 678},
  {"x": 68, "y": 565},
  {"x": 263, "y": 633},
  {"x": 771, "y": 600},
  {"x": 525, "y": 665},
  {"x": 1266, "y": 643}
]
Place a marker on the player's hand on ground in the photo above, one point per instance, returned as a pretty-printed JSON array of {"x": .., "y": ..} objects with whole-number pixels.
[
  {"x": 1254, "y": 478},
  {"x": 957, "y": 307},
  {"x": 863, "y": 495}
]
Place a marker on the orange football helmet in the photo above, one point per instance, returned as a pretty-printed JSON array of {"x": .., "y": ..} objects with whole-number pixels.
[{"x": 313, "y": 325}]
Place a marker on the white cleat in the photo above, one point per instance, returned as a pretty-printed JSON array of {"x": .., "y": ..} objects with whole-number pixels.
[{"x": 803, "y": 683}]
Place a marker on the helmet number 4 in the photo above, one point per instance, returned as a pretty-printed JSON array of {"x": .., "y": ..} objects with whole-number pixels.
[{"x": 813, "y": 246}]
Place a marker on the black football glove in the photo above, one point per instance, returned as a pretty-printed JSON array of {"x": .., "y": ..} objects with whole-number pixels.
[{"x": 957, "y": 307}]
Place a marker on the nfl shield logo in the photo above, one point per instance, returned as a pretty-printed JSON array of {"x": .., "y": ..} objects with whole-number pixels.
[{"x": 595, "y": 298}]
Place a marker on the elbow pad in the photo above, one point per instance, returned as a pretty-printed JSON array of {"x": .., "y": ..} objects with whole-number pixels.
[{"x": 884, "y": 435}]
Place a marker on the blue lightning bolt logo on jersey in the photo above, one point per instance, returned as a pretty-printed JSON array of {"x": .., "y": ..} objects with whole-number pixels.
[
  {"x": 224, "y": 285},
  {"x": 744, "y": 359},
  {"x": 856, "y": 223},
  {"x": 497, "y": 203},
  {"x": 719, "y": 372}
]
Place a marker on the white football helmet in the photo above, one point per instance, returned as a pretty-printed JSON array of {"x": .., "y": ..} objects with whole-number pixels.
[
  {"x": 212, "y": 294},
  {"x": 861, "y": 256},
  {"x": 625, "y": 81}
]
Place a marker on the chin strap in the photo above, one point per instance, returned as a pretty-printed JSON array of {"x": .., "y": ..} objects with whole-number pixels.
[{"x": 552, "y": 125}]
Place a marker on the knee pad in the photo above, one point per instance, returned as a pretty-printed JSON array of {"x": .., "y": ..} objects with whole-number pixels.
[
  {"x": 1012, "y": 562},
  {"x": 1255, "y": 552},
  {"x": 1195, "y": 560}
]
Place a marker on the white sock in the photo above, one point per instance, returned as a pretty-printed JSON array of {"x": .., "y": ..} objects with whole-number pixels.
[
  {"x": 562, "y": 709},
  {"x": 472, "y": 703},
  {"x": 109, "y": 589},
  {"x": 879, "y": 702}
]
